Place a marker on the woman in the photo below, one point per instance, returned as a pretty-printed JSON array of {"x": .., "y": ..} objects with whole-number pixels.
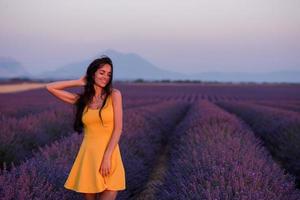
[{"x": 98, "y": 167}]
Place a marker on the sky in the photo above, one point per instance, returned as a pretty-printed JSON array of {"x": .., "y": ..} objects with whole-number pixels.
[{"x": 184, "y": 36}]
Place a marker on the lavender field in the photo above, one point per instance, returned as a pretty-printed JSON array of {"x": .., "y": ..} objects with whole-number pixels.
[{"x": 179, "y": 141}]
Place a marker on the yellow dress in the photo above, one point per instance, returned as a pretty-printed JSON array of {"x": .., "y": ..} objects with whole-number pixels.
[{"x": 84, "y": 175}]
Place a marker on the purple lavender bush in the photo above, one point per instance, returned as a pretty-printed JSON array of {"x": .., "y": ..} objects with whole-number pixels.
[
  {"x": 43, "y": 175},
  {"x": 213, "y": 155},
  {"x": 37, "y": 119},
  {"x": 19, "y": 137},
  {"x": 279, "y": 129},
  {"x": 287, "y": 105}
]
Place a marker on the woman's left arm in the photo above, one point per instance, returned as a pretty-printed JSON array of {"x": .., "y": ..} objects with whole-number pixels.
[{"x": 118, "y": 122}]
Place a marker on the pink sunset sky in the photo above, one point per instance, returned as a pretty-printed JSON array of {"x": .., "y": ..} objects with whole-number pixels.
[{"x": 189, "y": 36}]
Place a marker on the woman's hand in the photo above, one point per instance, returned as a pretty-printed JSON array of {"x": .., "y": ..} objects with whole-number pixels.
[
  {"x": 105, "y": 165},
  {"x": 82, "y": 80}
]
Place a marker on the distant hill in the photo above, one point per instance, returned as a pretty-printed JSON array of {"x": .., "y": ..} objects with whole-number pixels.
[
  {"x": 131, "y": 66},
  {"x": 127, "y": 66},
  {"x": 11, "y": 68}
]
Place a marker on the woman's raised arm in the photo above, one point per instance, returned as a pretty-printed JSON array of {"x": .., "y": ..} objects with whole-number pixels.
[{"x": 56, "y": 88}]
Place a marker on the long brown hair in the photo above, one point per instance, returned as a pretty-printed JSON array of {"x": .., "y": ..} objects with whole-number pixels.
[{"x": 87, "y": 95}]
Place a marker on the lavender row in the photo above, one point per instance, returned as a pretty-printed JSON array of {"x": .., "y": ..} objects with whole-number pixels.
[
  {"x": 15, "y": 103},
  {"x": 212, "y": 91},
  {"x": 20, "y": 104},
  {"x": 20, "y": 136},
  {"x": 43, "y": 175},
  {"x": 279, "y": 129},
  {"x": 213, "y": 155},
  {"x": 142, "y": 147},
  {"x": 18, "y": 107},
  {"x": 287, "y": 105}
]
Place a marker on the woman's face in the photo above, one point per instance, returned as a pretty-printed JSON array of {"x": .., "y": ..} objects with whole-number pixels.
[{"x": 103, "y": 75}]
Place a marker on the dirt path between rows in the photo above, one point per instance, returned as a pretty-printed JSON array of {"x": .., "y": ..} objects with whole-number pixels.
[{"x": 10, "y": 88}]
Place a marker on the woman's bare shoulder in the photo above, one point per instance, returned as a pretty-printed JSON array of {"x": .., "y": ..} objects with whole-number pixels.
[
  {"x": 116, "y": 91},
  {"x": 116, "y": 94}
]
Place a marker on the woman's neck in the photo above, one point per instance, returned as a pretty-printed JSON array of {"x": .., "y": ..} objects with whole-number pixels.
[{"x": 98, "y": 90}]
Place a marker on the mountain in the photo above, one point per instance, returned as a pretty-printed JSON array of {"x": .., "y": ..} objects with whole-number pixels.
[
  {"x": 127, "y": 66},
  {"x": 11, "y": 68},
  {"x": 131, "y": 66}
]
